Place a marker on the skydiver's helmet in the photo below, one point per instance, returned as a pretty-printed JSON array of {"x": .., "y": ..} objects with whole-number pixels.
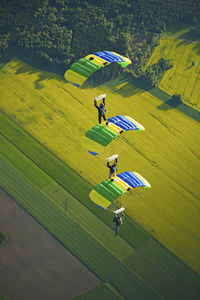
[{"x": 101, "y": 105}]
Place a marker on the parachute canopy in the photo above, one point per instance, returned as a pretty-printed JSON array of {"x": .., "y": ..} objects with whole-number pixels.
[
  {"x": 99, "y": 136},
  {"x": 83, "y": 68},
  {"x": 105, "y": 193}
]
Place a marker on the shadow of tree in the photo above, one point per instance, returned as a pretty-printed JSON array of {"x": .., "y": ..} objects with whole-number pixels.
[
  {"x": 134, "y": 85},
  {"x": 39, "y": 67},
  {"x": 159, "y": 94},
  {"x": 169, "y": 104},
  {"x": 196, "y": 44},
  {"x": 185, "y": 109},
  {"x": 193, "y": 34},
  {"x": 197, "y": 47},
  {"x": 183, "y": 43},
  {"x": 22, "y": 68},
  {"x": 42, "y": 75},
  {"x": 126, "y": 85}
]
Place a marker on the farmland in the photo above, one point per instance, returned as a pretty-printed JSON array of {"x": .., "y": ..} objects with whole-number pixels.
[
  {"x": 184, "y": 77},
  {"x": 45, "y": 169},
  {"x": 44, "y": 261}
]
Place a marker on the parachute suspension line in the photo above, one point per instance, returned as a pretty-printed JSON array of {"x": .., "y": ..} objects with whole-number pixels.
[
  {"x": 80, "y": 71},
  {"x": 116, "y": 146}
]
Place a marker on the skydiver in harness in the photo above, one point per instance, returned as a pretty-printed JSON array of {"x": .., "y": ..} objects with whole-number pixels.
[
  {"x": 101, "y": 110},
  {"x": 113, "y": 168},
  {"x": 118, "y": 220}
]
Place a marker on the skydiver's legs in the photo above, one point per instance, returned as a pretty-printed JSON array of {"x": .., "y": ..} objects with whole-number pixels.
[
  {"x": 99, "y": 117},
  {"x": 110, "y": 174},
  {"x": 104, "y": 117},
  {"x": 116, "y": 229}
]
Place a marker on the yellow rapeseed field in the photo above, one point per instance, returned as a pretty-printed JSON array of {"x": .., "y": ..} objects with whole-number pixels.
[
  {"x": 184, "y": 77},
  {"x": 167, "y": 153}
]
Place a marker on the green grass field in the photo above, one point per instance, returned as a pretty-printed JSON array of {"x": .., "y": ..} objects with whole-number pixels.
[
  {"x": 3, "y": 297},
  {"x": 104, "y": 291},
  {"x": 184, "y": 77},
  {"x": 156, "y": 267},
  {"x": 72, "y": 234},
  {"x": 57, "y": 114}
]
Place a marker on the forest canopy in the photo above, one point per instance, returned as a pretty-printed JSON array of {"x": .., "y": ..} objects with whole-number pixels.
[{"x": 61, "y": 31}]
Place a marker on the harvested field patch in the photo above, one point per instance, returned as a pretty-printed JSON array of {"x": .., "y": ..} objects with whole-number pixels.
[{"x": 33, "y": 264}]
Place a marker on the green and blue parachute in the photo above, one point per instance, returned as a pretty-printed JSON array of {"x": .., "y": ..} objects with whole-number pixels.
[
  {"x": 82, "y": 69},
  {"x": 100, "y": 136},
  {"x": 105, "y": 194}
]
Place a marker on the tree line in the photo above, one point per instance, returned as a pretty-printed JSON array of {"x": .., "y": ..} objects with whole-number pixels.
[
  {"x": 154, "y": 73},
  {"x": 61, "y": 31}
]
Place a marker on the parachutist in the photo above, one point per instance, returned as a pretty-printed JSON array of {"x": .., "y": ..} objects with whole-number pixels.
[
  {"x": 83, "y": 68},
  {"x": 118, "y": 220},
  {"x": 101, "y": 110},
  {"x": 113, "y": 169},
  {"x": 106, "y": 193}
]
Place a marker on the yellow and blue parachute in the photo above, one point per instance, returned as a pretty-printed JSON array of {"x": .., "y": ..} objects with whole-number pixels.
[
  {"x": 82, "y": 69},
  {"x": 105, "y": 194},
  {"x": 99, "y": 136}
]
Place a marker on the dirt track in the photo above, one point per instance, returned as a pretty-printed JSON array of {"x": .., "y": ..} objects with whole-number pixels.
[{"x": 33, "y": 265}]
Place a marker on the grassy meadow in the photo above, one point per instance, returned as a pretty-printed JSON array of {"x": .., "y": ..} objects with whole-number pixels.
[{"x": 184, "y": 77}]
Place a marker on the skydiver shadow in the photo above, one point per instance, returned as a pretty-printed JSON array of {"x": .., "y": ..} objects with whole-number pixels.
[{"x": 118, "y": 220}]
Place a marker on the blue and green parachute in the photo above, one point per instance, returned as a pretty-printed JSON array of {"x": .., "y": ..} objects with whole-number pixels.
[
  {"x": 105, "y": 194},
  {"x": 83, "y": 68},
  {"x": 100, "y": 136}
]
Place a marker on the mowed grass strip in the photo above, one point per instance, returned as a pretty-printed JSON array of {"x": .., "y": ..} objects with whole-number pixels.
[
  {"x": 103, "y": 291},
  {"x": 157, "y": 279},
  {"x": 187, "y": 280},
  {"x": 3, "y": 297},
  {"x": 151, "y": 273},
  {"x": 73, "y": 208},
  {"x": 151, "y": 268},
  {"x": 90, "y": 223},
  {"x": 77, "y": 240},
  {"x": 63, "y": 175},
  {"x": 65, "y": 201}
]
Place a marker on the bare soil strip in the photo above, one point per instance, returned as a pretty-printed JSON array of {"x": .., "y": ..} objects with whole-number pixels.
[{"x": 33, "y": 265}]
